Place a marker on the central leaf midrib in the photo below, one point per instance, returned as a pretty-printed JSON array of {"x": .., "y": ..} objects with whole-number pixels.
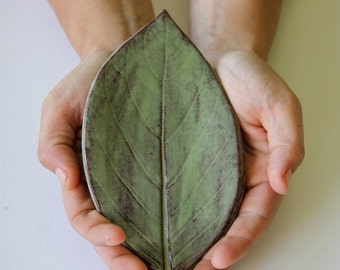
[{"x": 165, "y": 192}]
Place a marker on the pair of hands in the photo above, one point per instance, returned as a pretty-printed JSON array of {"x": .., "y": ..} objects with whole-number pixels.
[{"x": 271, "y": 122}]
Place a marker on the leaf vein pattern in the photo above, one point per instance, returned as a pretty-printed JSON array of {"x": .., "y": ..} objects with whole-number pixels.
[
  {"x": 188, "y": 245},
  {"x": 122, "y": 181},
  {"x": 147, "y": 60},
  {"x": 131, "y": 223},
  {"x": 202, "y": 208},
  {"x": 205, "y": 129},
  {"x": 167, "y": 256},
  {"x": 187, "y": 112},
  {"x": 199, "y": 182},
  {"x": 134, "y": 103},
  {"x": 128, "y": 143}
]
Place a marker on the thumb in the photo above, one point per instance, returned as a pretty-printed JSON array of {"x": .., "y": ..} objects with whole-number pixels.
[
  {"x": 286, "y": 146},
  {"x": 280, "y": 168},
  {"x": 57, "y": 143}
]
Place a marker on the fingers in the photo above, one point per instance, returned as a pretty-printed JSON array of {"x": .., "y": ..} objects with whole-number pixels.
[
  {"x": 58, "y": 144},
  {"x": 106, "y": 237},
  {"x": 271, "y": 121},
  {"x": 285, "y": 138},
  {"x": 56, "y": 152},
  {"x": 88, "y": 222},
  {"x": 262, "y": 99},
  {"x": 62, "y": 115},
  {"x": 120, "y": 258},
  {"x": 57, "y": 138},
  {"x": 258, "y": 209},
  {"x": 205, "y": 264},
  {"x": 57, "y": 148}
]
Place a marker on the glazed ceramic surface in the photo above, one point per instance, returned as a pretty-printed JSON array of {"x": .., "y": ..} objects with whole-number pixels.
[{"x": 161, "y": 148}]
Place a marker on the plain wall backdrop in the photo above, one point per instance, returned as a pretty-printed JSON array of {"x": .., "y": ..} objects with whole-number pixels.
[{"x": 35, "y": 55}]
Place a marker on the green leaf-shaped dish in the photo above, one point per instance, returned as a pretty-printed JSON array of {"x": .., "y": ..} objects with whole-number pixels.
[{"x": 161, "y": 148}]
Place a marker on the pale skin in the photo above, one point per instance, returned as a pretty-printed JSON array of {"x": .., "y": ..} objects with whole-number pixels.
[{"x": 235, "y": 37}]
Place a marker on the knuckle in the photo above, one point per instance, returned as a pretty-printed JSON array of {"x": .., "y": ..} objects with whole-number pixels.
[
  {"x": 50, "y": 99},
  {"x": 298, "y": 154}
]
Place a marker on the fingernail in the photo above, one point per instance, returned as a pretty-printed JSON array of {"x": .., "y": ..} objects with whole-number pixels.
[
  {"x": 110, "y": 242},
  {"x": 113, "y": 242},
  {"x": 62, "y": 176}
]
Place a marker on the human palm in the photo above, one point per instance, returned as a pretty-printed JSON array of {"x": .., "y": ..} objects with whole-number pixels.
[
  {"x": 271, "y": 123},
  {"x": 59, "y": 151}
]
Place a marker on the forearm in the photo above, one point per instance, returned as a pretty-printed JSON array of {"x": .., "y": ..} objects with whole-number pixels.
[
  {"x": 219, "y": 26},
  {"x": 101, "y": 24}
]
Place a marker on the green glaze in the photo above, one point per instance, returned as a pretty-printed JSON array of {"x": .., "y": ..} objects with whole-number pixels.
[{"x": 161, "y": 148}]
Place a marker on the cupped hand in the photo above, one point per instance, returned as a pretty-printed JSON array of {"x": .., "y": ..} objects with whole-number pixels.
[
  {"x": 59, "y": 151},
  {"x": 271, "y": 123}
]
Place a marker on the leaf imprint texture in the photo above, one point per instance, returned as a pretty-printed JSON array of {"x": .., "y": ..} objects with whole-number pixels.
[{"x": 161, "y": 148}]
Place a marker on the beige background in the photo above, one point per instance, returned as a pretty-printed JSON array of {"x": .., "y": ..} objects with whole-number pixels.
[{"x": 35, "y": 55}]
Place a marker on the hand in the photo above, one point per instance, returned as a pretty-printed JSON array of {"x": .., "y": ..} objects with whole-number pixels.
[
  {"x": 271, "y": 122},
  {"x": 274, "y": 149},
  {"x": 59, "y": 151}
]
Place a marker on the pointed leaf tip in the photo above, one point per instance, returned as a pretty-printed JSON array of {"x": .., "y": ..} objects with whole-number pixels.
[{"x": 161, "y": 148}]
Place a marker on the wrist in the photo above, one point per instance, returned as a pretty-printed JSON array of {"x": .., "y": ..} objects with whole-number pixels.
[
  {"x": 218, "y": 27},
  {"x": 102, "y": 24},
  {"x": 214, "y": 49},
  {"x": 100, "y": 54},
  {"x": 107, "y": 37},
  {"x": 98, "y": 48}
]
